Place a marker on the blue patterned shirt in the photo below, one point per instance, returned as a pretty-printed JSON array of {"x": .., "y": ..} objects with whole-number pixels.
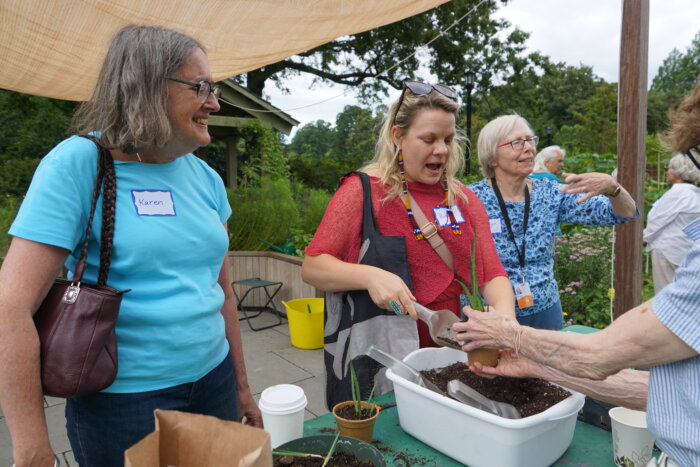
[
  {"x": 549, "y": 207},
  {"x": 673, "y": 409}
]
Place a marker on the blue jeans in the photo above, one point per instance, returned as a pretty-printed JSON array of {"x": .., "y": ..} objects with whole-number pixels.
[
  {"x": 103, "y": 425},
  {"x": 551, "y": 318}
]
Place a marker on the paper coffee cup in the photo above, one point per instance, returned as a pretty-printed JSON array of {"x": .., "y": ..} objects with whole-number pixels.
[
  {"x": 282, "y": 409},
  {"x": 632, "y": 442}
]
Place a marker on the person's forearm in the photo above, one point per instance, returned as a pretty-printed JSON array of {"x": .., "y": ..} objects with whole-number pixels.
[
  {"x": 233, "y": 335},
  {"x": 20, "y": 389},
  {"x": 499, "y": 294},
  {"x": 628, "y": 388},
  {"x": 635, "y": 339},
  {"x": 623, "y": 204},
  {"x": 329, "y": 273}
]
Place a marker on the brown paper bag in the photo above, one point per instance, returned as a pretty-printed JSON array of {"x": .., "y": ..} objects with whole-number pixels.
[{"x": 188, "y": 440}]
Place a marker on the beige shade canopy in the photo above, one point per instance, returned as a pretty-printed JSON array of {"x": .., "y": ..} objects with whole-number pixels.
[{"x": 55, "y": 48}]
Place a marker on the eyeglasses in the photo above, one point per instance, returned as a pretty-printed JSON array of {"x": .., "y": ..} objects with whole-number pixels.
[
  {"x": 519, "y": 144},
  {"x": 204, "y": 88},
  {"x": 422, "y": 89},
  {"x": 694, "y": 154}
]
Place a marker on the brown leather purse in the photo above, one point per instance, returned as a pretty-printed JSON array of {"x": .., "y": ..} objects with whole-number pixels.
[{"x": 76, "y": 320}]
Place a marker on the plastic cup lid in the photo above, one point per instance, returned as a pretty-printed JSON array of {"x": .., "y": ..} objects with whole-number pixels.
[{"x": 282, "y": 399}]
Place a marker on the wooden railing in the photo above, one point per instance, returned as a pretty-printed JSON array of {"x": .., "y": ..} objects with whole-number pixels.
[{"x": 271, "y": 266}]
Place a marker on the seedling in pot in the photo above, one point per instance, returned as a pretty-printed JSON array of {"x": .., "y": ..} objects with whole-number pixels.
[
  {"x": 487, "y": 357},
  {"x": 356, "y": 396}
]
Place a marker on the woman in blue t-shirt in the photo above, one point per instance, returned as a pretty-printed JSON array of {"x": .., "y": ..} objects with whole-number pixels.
[
  {"x": 179, "y": 345},
  {"x": 524, "y": 214}
]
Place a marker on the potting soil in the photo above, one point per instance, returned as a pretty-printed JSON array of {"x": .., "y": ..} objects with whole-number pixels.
[
  {"x": 338, "y": 459},
  {"x": 529, "y": 395}
]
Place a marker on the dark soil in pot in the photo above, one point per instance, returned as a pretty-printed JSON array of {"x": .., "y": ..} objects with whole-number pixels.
[
  {"x": 338, "y": 459},
  {"x": 348, "y": 413},
  {"x": 529, "y": 395}
]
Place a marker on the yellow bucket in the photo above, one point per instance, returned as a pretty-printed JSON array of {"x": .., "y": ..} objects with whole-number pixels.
[{"x": 305, "y": 329}]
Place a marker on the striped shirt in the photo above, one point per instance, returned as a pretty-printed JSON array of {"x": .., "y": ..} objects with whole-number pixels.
[{"x": 673, "y": 409}]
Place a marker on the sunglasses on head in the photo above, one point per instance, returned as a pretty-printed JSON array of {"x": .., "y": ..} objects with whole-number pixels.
[
  {"x": 422, "y": 89},
  {"x": 694, "y": 154}
]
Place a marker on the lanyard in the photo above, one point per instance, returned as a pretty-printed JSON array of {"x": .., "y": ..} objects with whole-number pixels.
[{"x": 506, "y": 218}]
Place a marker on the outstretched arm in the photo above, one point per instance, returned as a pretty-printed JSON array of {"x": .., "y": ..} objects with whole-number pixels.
[
  {"x": 627, "y": 388},
  {"x": 593, "y": 184},
  {"x": 635, "y": 339}
]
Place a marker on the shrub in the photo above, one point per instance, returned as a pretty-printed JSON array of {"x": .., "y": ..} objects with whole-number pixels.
[
  {"x": 582, "y": 269},
  {"x": 266, "y": 212}
]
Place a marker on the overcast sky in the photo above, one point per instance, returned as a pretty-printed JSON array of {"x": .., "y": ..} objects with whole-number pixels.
[{"x": 571, "y": 31}]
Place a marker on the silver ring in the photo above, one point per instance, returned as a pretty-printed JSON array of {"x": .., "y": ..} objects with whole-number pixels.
[{"x": 396, "y": 306}]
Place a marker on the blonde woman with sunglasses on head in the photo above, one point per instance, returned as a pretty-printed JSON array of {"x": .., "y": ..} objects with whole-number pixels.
[
  {"x": 524, "y": 214},
  {"x": 417, "y": 154}
]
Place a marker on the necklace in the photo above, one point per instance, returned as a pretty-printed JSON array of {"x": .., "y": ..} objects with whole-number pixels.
[
  {"x": 417, "y": 233},
  {"x": 138, "y": 157}
]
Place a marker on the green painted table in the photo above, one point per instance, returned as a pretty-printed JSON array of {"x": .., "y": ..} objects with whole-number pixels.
[{"x": 591, "y": 446}]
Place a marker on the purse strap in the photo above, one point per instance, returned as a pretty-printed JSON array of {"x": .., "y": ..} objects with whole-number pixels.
[
  {"x": 105, "y": 176},
  {"x": 430, "y": 233}
]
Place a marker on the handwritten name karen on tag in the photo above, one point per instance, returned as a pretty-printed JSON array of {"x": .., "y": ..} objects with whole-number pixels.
[{"x": 153, "y": 202}]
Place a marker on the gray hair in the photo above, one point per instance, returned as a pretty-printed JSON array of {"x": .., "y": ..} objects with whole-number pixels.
[
  {"x": 489, "y": 137},
  {"x": 129, "y": 102},
  {"x": 546, "y": 155},
  {"x": 682, "y": 167},
  {"x": 384, "y": 161}
]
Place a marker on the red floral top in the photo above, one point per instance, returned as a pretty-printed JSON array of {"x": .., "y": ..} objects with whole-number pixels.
[{"x": 340, "y": 235}]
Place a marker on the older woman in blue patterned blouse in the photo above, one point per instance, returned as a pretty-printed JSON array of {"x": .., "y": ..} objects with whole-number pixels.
[{"x": 524, "y": 214}]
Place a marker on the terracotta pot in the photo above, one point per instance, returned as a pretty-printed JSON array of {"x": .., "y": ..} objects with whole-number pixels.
[
  {"x": 487, "y": 357},
  {"x": 359, "y": 429}
]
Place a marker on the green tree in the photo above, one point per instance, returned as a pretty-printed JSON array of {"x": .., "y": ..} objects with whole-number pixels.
[
  {"x": 598, "y": 120},
  {"x": 31, "y": 125},
  {"x": 678, "y": 73},
  {"x": 547, "y": 94},
  {"x": 320, "y": 154},
  {"x": 261, "y": 154},
  {"x": 476, "y": 42}
]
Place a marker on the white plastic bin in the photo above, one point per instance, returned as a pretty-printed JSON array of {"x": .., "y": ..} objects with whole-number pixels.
[{"x": 475, "y": 437}]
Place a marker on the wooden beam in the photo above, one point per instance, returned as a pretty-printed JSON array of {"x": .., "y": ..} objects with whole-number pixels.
[
  {"x": 631, "y": 147},
  {"x": 222, "y": 120}
]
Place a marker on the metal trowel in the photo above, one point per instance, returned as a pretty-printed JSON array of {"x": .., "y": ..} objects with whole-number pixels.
[{"x": 440, "y": 325}]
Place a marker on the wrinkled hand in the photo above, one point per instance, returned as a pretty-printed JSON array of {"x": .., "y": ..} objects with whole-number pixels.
[
  {"x": 249, "y": 409},
  {"x": 590, "y": 184},
  {"x": 384, "y": 286},
  {"x": 509, "y": 365},
  {"x": 486, "y": 330}
]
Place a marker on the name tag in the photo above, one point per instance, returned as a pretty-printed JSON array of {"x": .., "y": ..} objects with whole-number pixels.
[
  {"x": 442, "y": 218},
  {"x": 523, "y": 295},
  {"x": 153, "y": 202},
  {"x": 495, "y": 224}
]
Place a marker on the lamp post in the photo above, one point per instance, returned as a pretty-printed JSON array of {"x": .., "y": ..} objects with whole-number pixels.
[
  {"x": 469, "y": 79},
  {"x": 549, "y": 135}
]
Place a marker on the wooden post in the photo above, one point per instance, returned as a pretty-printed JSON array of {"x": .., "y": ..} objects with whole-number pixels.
[{"x": 631, "y": 147}]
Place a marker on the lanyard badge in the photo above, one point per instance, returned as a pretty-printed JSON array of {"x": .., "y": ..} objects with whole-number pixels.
[{"x": 522, "y": 291}]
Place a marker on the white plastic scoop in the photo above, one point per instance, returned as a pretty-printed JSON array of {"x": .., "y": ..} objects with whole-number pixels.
[{"x": 440, "y": 325}]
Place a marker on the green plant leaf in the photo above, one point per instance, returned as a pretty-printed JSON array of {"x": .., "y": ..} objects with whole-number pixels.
[
  {"x": 355, "y": 387},
  {"x": 331, "y": 450},
  {"x": 282, "y": 452}
]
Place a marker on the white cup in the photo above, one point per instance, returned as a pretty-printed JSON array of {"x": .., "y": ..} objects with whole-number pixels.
[
  {"x": 282, "y": 407},
  {"x": 632, "y": 442}
]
